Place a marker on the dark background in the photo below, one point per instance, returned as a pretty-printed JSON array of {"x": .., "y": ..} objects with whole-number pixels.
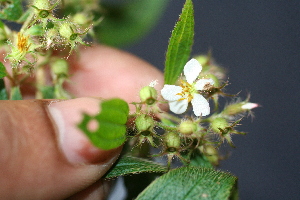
[{"x": 258, "y": 42}]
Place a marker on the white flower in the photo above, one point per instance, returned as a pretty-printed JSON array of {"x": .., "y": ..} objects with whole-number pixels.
[{"x": 180, "y": 96}]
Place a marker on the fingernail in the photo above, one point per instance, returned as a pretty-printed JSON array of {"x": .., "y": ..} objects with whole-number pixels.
[{"x": 75, "y": 146}]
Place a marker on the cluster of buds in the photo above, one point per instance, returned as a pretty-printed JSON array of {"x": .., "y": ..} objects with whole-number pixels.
[
  {"x": 202, "y": 134},
  {"x": 42, "y": 31}
]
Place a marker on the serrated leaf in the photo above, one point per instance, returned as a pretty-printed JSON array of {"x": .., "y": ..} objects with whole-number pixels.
[
  {"x": 133, "y": 165},
  {"x": 128, "y": 22},
  {"x": 12, "y": 10},
  {"x": 15, "y": 93},
  {"x": 180, "y": 44},
  {"x": 189, "y": 183},
  {"x": 110, "y": 125},
  {"x": 3, "y": 71}
]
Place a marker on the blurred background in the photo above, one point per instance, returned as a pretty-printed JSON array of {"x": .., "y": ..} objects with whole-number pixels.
[{"x": 258, "y": 42}]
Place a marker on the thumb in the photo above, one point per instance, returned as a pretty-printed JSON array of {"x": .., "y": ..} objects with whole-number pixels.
[{"x": 43, "y": 154}]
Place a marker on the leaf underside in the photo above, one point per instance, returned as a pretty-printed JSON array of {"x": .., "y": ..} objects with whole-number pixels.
[{"x": 133, "y": 165}]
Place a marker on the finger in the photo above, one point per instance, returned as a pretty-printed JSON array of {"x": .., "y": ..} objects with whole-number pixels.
[
  {"x": 107, "y": 72},
  {"x": 43, "y": 155}
]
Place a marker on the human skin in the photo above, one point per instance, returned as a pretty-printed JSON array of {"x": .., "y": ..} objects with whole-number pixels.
[{"x": 42, "y": 153}]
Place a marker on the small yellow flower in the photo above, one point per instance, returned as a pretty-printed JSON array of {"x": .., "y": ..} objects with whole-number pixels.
[{"x": 22, "y": 43}]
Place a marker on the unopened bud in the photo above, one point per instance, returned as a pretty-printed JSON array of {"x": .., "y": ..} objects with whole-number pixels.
[
  {"x": 144, "y": 122},
  {"x": 187, "y": 127},
  {"x": 172, "y": 140},
  {"x": 60, "y": 67},
  {"x": 66, "y": 31},
  {"x": 80, "y": 18},
  {"x": 148, "y": 95},
  {"x": 211, "y": 154},
  {"x": 239, "y": 108},
  {"x": 219, "y": 123},
  {"x": 42, "y": 4}
]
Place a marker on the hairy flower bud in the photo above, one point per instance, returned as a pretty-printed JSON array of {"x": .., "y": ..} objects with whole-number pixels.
[
  {"x": 219, "y": 123},
  {"x": 66, "y": 31},
  {"x": 148, "y": 95},
  {"x": 172, "y": 140},
  {"x": 60, "y": 67},
  {"x": 239, "y": 108},
  {"x": 81, "y": 18},
  {"x": 187, "y": 127},
  {"x": 42, "y": 4},
  {"x": 144, "y": 123}
]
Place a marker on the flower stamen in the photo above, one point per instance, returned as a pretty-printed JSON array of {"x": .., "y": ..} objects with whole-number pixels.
[{"x": 23, "y": 43}]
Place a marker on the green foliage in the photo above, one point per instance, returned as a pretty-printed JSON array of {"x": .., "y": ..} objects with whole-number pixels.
[
  {"x": 188, "y": 183},
  {"x": 3, "y": 71},
  {"x": 47, "y": 92},
  {"x": 199, "y": 160},
  {"x": 180, "y": 44},
  {"x": 15, "y": 93},
  {"x": 110, "y": 124},
  {"x": 3, "y": 94},
  {"x": 133, "y": 165},
  {"x": 11, "y": 10},
  {"x": 125, "y": 23}
]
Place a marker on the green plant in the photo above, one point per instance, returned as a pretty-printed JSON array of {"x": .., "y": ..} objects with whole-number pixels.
[{"x": 45, "y": 38}]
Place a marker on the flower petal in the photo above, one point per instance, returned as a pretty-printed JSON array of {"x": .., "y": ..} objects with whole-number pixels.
[
  {"x": 191, "y": 70},
  {"x": 249, "y": 106},
  {"x": 200, "y": 105},
  {"x": 200, "y": 84},
  {"x": 169, "y": 92},
  {"x": 178, "y": 107}
]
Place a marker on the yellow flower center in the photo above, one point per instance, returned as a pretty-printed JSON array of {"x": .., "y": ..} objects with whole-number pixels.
[
  {"x": 188, "y": 91},
  {"x": 23, "y": 42}
]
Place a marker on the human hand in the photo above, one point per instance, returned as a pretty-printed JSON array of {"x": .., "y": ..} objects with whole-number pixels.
[{"x": 43, "y": 155}]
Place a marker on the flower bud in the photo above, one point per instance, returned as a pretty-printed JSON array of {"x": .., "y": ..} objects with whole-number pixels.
[
  {"x": 148, "y": 95},
  {"x": 66, "y": 31},
  {"x": 42, "y": 4},
  {"x": 81, "y": 18},
  {"x": 187, "y": 127},
  {"x": 211, "y": 154},
  {"x": 239, "y": 108},
  {"x": 144, "y": 123},
  {"x": 210, "y": 67},
  {"x": 172, "y": 140},
  {"x": 60, "y": 67},
  {"x": 219, "y": 123}
]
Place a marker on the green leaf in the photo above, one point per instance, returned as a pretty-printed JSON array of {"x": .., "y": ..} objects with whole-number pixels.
[
  {"x": 15, "y": 93},
  {"x": 188, "y": 183},
  {"x": 3, "y": 94},
  {"x": 199, "y": 160},
  {"x": 47, "y": 92},
  {"x": 133, "y": 165},
  {"x": 109, "y": 129},
  {"x": 180, "y": 44},
  {"x": 11, "y": 10},
  {"x": 128, "y": 22},
  {"x": 3, "y": 71}
]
